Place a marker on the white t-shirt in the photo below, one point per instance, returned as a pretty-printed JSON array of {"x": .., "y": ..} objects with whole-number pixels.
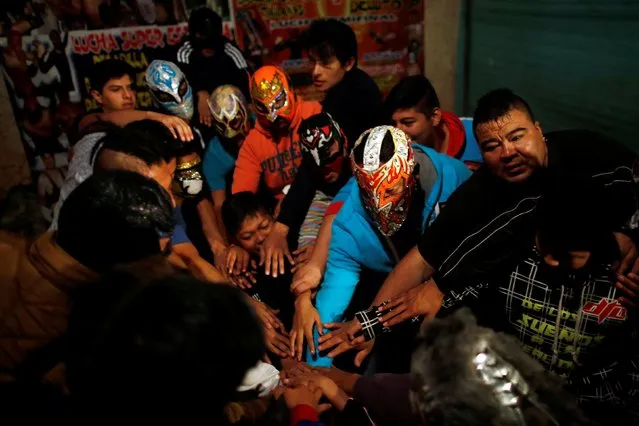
[{"x": 80, "y": 168}]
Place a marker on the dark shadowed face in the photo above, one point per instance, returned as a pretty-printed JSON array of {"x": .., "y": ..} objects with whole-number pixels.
[{"x": 513, "y": 146}]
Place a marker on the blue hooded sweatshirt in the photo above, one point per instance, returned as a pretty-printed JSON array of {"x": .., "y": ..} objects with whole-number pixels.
[{"x": 355, "y": 241}]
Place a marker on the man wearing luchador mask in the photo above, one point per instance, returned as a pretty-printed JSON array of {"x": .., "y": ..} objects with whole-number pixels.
[
  {"x": 172, "y": 94},
  {"x": 271, "y": 151},
  {"x": 325, "y": 168},
  {"x": 398, "y": 192},
  {"x": 232, "y": 119}
]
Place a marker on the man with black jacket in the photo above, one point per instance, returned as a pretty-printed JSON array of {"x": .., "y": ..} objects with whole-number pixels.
[
  {"x": 210, "y": 60},
  {"x": 351, "y": 95},
  {"x": 486, "y": 220}
]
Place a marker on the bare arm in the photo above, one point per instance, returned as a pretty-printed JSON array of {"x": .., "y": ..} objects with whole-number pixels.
[
  {"x": 219, "y": 196},
  {"x": 179, "y": 128},
  {"x": 120, "y": 118},
  {"x": 210, "y": 226},
  {"x": 198, "y": 266},
  {"x": 411, "y": 271},
  {"x": 323, "y": 241}
]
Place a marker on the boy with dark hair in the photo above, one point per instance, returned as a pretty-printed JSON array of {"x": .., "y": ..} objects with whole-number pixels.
[
  {"x": 112, "y": 87},
  {"x": 148, "y": 148},
  {"x": 175, "y": 347},
  {"x": 413, "y": 106},
  {"x": 211, "y": 60},
  {"x": 112, "y": 84},
  {"x": 249, "y": 223},
  {"x": 351, "y": 95},
  {"x": 112, "y": 218}
]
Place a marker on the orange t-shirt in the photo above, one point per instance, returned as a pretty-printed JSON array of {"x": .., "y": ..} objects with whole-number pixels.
[{"x": 276, "y": 161}]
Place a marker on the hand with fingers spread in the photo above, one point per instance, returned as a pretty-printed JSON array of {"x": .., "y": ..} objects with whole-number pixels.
[
  {"x": 267, "y": 316},
  {"x": 244, "y": 281},
  {"x": 203, "y": 108},
  {"x": 302, "y": 255},
  {"x": 310, "y": 395},
  {"x": 179, "y": 128},
  {"x": 343, "y": 337},
  {"x": 307, "y": 278},
  {"x": 277, "y": 342},
  {"x": 305, "y": 319},
  {"x": 424, "y": 299},
  {"x": 274, "y": 250},
  {"x": 237, "y": 260},
  {"x": 628, "y": 271}
]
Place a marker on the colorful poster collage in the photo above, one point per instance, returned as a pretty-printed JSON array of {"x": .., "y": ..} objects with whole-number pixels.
[
  {"x": 389, "y": 33},
  {"x": 50, "y": 46}
]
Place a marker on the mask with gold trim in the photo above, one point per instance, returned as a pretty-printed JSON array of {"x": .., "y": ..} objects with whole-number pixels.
[
  {"x": 273, "y": 97},
  {"x": 188, "y": 180},
  {"x": 385, "y": 176},
  {"x": 229, "y": 110}
]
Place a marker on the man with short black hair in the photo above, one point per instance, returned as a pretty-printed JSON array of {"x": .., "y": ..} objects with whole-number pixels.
[
  {"x": 148, "y": 148},
  {"x": 487, "y": 219},
  {"x": 413, "y": 106},
  {"x": 112, "y": 218},
  {"x": 351, "y": 95},
  {"x": 112, "y": 88}
]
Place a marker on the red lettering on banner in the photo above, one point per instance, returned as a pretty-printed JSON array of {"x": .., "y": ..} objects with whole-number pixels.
[
  {"x": 94, "y": 43},
  {"x": 605, "y": 310},
  {"x": 137, "y": 39},
  {"x": 175, "y": 34}
]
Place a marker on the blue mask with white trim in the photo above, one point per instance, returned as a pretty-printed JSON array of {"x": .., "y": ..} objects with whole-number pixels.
[{"x": 169, "y": 89}]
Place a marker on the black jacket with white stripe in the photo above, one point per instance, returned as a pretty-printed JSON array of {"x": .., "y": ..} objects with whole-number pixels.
[
  {"x": 226, "y": 66},
  {"x": 485, "y": 222}
]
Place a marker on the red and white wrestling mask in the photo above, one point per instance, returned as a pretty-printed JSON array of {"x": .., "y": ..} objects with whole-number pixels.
[
  {"x": 273, "y": 97},
  {"x": 383, "y": 165},
  {"x": 323, "y": 140}
]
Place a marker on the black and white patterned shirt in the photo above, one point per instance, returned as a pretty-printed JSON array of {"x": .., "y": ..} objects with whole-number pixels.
[{"x": 572, "y": 324}]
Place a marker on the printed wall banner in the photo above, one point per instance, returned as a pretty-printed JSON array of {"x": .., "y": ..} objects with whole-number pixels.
[
  {"x": 389, "y": 33},
  {"x": 49, "y": 48}
]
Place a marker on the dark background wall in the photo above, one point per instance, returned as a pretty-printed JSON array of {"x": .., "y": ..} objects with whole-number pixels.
[{"x": 575, "y": 61}]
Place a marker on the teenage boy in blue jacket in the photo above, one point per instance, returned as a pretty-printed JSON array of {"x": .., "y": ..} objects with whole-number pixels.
[{"x": 400, "y": 190}]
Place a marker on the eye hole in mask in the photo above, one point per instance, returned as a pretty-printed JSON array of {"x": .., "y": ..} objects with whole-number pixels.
[
  {"x": 183, "y": 88},
  {"x": 259, "y": 106},
  {"x": 280, "y": 101},
  {"x": 162, "y": 96},
  {"x": 236, "y": 123}
]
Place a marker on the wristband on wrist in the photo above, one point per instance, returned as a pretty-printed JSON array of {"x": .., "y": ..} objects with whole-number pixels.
[{"x": 369, "y": 320}]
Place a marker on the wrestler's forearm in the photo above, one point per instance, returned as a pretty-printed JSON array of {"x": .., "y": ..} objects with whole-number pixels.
[{"x": 411, "y": 271}]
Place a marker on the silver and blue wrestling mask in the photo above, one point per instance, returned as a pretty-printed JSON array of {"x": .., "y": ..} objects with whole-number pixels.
[{"x": 169, "y": 89}]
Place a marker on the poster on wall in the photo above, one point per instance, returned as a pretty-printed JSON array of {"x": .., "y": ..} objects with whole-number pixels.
[
  {"x": 389, "y": 34},
  {"x": 49, "y": 48}
]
